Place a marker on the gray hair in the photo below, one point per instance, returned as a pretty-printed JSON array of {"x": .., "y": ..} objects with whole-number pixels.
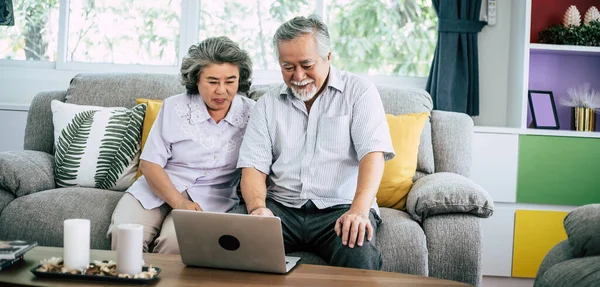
[
  {"x": 300, "y": 26},
  {"x": 216, "y": 50}
]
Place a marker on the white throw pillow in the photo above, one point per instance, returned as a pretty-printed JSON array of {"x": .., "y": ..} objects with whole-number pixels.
[{"x": 96, "y": 146}]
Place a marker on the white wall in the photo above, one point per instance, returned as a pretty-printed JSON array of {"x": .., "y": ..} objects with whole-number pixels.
[
  {"x": 18, "y": 84},
  {"x": 494, "y": 42},
  {"x": 12, "y": 129}
]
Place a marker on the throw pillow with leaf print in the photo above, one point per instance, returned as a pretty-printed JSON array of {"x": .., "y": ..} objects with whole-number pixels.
[{"x": 95, "y": 146}]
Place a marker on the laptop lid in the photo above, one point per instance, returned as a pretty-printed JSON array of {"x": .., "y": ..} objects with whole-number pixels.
[{"x": 231, "y": 241}]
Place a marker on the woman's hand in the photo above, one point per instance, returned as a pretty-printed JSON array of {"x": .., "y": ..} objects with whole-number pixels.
[{"x": 188, "y": 205}]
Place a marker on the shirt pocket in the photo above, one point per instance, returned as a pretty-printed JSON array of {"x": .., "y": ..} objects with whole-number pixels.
[{"x": 334, "y": 133}]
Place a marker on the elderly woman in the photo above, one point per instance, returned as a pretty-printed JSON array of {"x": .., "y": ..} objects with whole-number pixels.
[{"x": 189, "y": 159}]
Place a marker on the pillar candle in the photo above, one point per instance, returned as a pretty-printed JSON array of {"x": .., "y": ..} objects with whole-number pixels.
[
  {"x": 130, "y": 240},
  {"x": 76, "y": 244}
]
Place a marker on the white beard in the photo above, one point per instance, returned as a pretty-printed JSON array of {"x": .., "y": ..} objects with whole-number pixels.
[{"x": 304, "y": 94}]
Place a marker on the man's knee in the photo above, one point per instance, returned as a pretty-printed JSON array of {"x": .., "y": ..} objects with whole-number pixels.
[{"x": 367, "y": 256}]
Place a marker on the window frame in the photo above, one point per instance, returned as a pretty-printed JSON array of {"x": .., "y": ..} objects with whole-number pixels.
[{"x": 189, "y": 35}]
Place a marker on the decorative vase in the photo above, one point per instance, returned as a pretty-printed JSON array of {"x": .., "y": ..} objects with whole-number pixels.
[
  {"x": 585, "y": 119},
  {"x": 572, "y": 17},
  {"x": 592, "y": 14}
]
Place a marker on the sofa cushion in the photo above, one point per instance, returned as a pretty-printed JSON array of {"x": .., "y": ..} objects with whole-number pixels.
[
  {"x": 407, "y": 101},
  {"x": 574, "y": 272},
  {"x": 5, "y": 198},
  {"x": 452, "y": 139},
  {"x": 582, "y": 226},
  {"x": 121, "y": 90},
  {"x": 96, "y": 146},
  {"x": 25, "y": 171},
  {"x": 39, "y": 129},
  {"x": 152, "y": 109},
  {"x": 446, "y": 193},
  {"x": 40, "y": 216},
  {"x": 398, "y": 173}
]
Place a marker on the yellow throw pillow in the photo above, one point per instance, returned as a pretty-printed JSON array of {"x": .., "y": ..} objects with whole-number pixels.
[
  {"x": 398, "y": 172},
  {"x": 153, "y": 106}
]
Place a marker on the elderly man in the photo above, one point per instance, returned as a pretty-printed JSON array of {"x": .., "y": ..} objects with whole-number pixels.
[{"x": 321, "y": 139}]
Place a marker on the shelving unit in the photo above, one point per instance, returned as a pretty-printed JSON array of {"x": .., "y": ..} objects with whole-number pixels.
[
  {"x": 551, "y": 170},
  {"x": 564, "y": 49},
  {"x": 547, "y": 67}
]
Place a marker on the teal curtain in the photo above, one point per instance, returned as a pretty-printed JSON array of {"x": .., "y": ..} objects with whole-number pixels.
[
  {"x": 453, "y": 81},
  {"x": 6, "y": 13}
]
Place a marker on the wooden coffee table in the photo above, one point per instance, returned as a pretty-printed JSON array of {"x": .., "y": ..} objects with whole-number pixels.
[{"x": 175, "y": 273}]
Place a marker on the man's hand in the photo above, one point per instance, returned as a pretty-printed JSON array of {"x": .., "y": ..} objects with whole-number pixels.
[
  {"x": 188, "y": 205},
  {"x": 351, "y": 227},
  {"x": 262, "y": 211}
]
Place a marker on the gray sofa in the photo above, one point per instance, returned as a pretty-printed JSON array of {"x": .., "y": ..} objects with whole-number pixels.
[
  {"x": 438, "y": 236},
  {"x": 576, "y": 260}
]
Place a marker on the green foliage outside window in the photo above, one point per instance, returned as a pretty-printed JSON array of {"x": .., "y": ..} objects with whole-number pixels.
[
  {"x": 26, "y": 40},
  {"x": 383, "y": 37}
]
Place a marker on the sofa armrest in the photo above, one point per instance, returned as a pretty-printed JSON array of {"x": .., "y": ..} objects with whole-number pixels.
[
  {"x": 455, "y": 244},
  {"x": 582, "y": 226},
  {"x": 25, "y": 171},
  {"x": 561, "y": 252},
  {"x": 5, "y": 198},
  {"x": 444, "y": 193}
]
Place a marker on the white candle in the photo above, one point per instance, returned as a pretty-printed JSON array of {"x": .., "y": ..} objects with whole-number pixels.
[
  {"x": 76, "y": 244},
  {"x": 130, "y": 245}
]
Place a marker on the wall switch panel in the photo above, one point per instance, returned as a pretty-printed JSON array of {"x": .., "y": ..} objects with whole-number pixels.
[{"x": 491, "y": 12}]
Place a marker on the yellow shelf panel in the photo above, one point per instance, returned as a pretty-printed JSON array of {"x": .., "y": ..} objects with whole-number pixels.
[{"x": 536, "y": 232}]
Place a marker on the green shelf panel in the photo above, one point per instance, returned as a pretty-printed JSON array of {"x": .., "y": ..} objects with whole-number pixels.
[{"x": 558, "y": 170}]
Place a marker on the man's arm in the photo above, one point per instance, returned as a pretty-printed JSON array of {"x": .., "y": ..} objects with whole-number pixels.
[
  {"x": 353, "y": 225},
  {"x": 254, "y": 191},
  {"x": 255, "y": 160},
  {"x": 370, "y": 172},
  {"x": 373, "y": 144}
]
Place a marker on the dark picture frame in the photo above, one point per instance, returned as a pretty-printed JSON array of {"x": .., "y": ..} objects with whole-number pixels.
[{"x": 543, "y": 110}]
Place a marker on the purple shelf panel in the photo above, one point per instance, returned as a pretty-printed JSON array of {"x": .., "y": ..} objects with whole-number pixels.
[{"x": 558, "y": 72}]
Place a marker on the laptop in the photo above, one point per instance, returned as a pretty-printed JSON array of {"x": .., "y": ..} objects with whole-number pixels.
[{"x": 231, "y": 241}]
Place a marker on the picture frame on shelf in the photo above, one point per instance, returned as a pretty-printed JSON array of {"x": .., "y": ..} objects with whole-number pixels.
[{"x": 543, "y": 110}]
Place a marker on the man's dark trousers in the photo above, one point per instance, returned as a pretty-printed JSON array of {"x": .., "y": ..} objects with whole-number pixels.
[{"x": 311, "y": 229}]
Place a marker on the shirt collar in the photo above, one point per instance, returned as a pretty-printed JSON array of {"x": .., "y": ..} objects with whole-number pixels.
[
  {"x": 235, "y": 111},
  {"x": 333, "y": 81},
  {"x": 198, "y": 109},
  {"x": 200, "y": 112}
]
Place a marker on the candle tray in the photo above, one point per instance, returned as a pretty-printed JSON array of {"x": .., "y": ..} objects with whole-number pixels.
[{"x": 42, "y": 270}]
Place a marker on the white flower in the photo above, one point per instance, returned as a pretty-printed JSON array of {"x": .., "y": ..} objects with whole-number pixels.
[{"x": 582, "y": 97}]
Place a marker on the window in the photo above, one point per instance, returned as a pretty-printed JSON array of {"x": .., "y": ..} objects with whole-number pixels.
[
  {"x": 373, "y": 37},
  {"x": 35, "y": 33},
  {"x": 383, "y": 37},
  {"x": 124, "y": 32}
]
